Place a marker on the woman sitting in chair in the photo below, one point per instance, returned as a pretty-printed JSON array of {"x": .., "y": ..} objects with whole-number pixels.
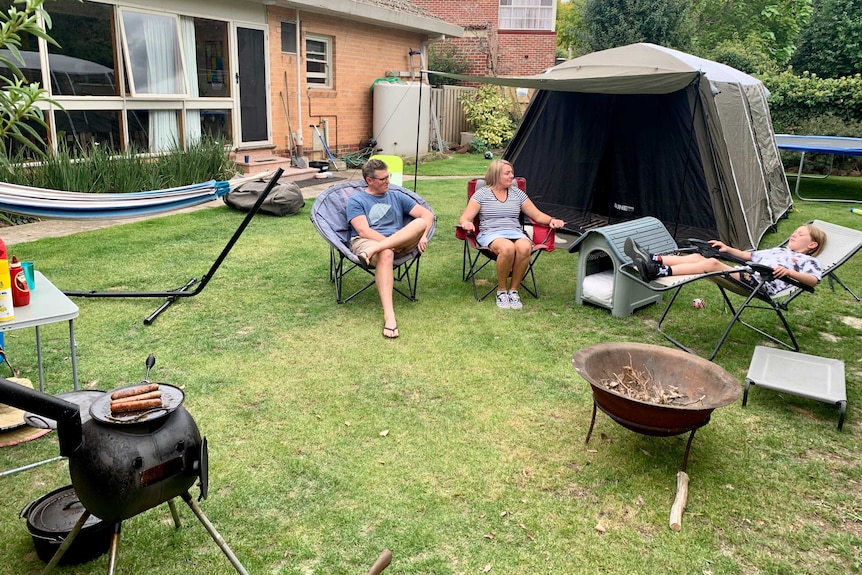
[
  {"x": 795, "y": 261},
  {"x": 499, "y": 205}
]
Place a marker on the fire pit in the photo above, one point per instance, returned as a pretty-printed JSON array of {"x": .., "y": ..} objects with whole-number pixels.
[{"x": 704, "y": 385}]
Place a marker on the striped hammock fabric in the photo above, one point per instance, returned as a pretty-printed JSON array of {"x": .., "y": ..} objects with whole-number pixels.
[{"x": 58, "y": 204}]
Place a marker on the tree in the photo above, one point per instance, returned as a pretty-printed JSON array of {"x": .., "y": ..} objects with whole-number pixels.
[
  {"x": 570, "y": 26},
  {"x": 770, "y": 26},
  {"x": 831, "y": 45},
  {"x": 19, "y": 100},
  {"x": 611, "y": 23}
]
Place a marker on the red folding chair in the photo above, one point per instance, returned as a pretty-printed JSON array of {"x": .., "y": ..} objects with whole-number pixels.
[{"x": 476, "y": 257}]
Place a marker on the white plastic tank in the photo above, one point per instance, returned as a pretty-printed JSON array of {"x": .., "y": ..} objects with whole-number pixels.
[{"x": 399, "y": 118}]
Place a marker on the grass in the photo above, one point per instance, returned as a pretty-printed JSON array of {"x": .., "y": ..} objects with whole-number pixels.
[{"x": 460, "y": 445}]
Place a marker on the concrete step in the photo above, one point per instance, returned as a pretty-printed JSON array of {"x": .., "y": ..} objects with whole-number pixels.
[{"x": 257, "y": 165}]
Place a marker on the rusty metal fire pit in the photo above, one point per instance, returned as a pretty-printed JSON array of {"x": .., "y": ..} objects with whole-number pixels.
[{"x": 708, "y": 384}]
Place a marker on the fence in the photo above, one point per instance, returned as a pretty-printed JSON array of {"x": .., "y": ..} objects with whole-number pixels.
[{"x": 449, "y": 112}]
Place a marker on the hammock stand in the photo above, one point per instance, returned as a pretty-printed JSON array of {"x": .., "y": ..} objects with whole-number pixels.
[
  {"x": 59, "y": 204},
  {"x": 183, "y": 292}
]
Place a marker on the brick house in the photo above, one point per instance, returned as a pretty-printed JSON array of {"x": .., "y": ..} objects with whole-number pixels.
[
  {"x": 343, "y": 47},
  {"x": 147, "y": 75},
  {"x": 502, "y": 37}
]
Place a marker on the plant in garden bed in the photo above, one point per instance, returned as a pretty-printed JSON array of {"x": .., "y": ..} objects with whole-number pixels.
[{"x": 488, "y": 112}]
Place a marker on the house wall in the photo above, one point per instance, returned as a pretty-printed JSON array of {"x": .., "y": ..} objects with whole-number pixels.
[
  {"x": 488, "y": 50},
  {"x": 361, "y": 55}
]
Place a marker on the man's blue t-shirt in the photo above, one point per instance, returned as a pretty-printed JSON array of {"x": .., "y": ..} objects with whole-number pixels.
[{"x": 385, "y": 213}]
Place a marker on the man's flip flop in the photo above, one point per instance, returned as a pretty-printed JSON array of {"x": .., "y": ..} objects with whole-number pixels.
[
  {"x": 364, "y": 261},
  {"x": 390, "y": 332}
]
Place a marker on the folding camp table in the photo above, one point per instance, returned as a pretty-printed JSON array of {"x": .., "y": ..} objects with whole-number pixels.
[{"x": 799, "y": 374}]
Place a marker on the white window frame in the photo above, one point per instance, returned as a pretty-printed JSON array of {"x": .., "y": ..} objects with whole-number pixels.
[
  {"x": 326, "y": 60},
  {"x": 182, "y": 89},
  {"x": 539, "y": 15}
]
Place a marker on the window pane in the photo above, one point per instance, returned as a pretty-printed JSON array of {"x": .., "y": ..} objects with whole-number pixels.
[
  {"x": 288, "y": 37},
  {"x": 16, "y": 150},
  {"x": 154, "y": 52},
  {"x": 318, "y": 60},
  {"x": 85, "y": 128},
  {"x": 153, "y": 130},
  {"x": 216, "y": 123},
  {"x": 29, "y": 51},
  {"x": 212, "y": 58},
  {"x": 526, "y": 15},
  {"x": 83, "y": 64}
]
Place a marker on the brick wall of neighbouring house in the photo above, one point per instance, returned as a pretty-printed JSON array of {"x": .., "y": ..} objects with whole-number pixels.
[
  {"x": 485, "y": 49},
  {"x": 361, "y": 55}
]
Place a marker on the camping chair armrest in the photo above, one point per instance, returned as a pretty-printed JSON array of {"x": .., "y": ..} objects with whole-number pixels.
[
  {"x": 462, "y": 234},
  {"x": 543, "y": 235}
]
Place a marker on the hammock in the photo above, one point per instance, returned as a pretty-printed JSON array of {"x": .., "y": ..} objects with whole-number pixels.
[{"x": 58, "y": 204}]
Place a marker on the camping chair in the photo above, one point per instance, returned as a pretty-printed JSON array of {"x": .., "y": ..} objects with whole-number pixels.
[
  {"x": 476, "y": 257},
  {"x": 841, "y": 244},
  {"x": 329, "y": 216}
]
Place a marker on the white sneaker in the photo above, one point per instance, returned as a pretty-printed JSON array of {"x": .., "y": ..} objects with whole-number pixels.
[
  {"x": 503, "y": 301},
  {"x": 515, "y": 300}
]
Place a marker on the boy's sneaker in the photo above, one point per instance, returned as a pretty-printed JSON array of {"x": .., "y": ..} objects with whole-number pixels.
[
  {"x": 634, "y": 249},
  {"x": 642, "y": 260},
  {"x": 515, "y": 300},
  {"x": 503, "y": 300}
]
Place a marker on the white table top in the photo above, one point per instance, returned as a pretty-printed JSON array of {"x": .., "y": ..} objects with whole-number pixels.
[{"x": 47, "y": 305}]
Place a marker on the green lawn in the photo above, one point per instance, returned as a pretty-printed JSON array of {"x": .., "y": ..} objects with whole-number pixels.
[{"x": 460, "y": 445}]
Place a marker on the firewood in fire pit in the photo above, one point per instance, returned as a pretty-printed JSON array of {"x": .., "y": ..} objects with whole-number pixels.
[{"x": 641, "y": 386}]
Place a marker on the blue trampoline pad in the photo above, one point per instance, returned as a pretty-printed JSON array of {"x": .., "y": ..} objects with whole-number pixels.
[{"x": 820, "y": 144}]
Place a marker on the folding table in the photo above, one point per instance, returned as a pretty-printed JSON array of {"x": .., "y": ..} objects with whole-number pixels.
[{"x": 47, "y": 305}]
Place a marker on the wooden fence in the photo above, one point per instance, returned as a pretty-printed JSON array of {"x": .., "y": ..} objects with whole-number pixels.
[{"x": 449, "y": 113}]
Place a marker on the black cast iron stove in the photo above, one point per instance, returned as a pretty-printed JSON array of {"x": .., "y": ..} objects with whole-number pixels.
[{"x": 122, "y": 465}]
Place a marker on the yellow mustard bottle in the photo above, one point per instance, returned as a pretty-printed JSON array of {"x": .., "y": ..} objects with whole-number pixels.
[{"x": 6, "y": 309}]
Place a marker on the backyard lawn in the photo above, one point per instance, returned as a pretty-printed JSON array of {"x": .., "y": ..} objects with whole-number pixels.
[{"x": 460, "y": 445}]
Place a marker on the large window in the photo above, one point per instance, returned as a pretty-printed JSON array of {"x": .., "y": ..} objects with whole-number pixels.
[
  {"x": 527, "y": 14},
  {"x": 318, "y": 61}
]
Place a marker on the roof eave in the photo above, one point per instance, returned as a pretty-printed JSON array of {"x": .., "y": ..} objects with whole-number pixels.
[{"x": 375, "y": 15}]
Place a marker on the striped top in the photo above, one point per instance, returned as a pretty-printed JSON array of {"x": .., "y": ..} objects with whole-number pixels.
[{"x": 496, "y": 216}]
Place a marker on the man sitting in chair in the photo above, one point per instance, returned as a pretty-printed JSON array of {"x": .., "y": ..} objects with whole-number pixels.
[
  {"x": 796, "y": 261},
  {"x": 378, "y": 232}
]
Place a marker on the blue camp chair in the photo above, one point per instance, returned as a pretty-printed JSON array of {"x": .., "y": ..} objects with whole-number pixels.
[{"x": 329, "y": 216}]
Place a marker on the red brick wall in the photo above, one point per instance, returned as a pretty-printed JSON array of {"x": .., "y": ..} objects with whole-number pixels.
[
  {"x": 485, "y": 49},
  {"x": 361, "y": 55}
]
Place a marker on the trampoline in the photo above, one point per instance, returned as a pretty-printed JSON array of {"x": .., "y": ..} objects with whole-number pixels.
[{"x": 832, "y": 145}]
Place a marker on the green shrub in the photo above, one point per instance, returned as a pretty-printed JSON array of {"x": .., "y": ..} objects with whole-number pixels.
[
  {"x": 807, "y": 104},
  {"x": 445, "y": 57},
  {"x": 487, "y": 111},
  {"x": 748, "y": 57},
  {"x": 794, "y": 99}
]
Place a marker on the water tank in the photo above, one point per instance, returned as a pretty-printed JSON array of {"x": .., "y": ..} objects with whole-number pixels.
[{"x": 399, "y": 118}]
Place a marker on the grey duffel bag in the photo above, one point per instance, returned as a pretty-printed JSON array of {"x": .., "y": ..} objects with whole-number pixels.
[{"x": 285, "y": 199}]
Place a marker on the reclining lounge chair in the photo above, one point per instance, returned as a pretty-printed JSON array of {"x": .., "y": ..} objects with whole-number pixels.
[{"x": 841, "y": 244}]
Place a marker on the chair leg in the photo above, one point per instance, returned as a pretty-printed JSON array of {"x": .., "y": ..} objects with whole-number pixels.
[
  {"x": 832, "y": 277},
  {"x": 666, "y": 335},
  {"x": 408, "y": 271},
  {"x": 737, "y": 317},
  {"x": 535, "y": 289}
]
